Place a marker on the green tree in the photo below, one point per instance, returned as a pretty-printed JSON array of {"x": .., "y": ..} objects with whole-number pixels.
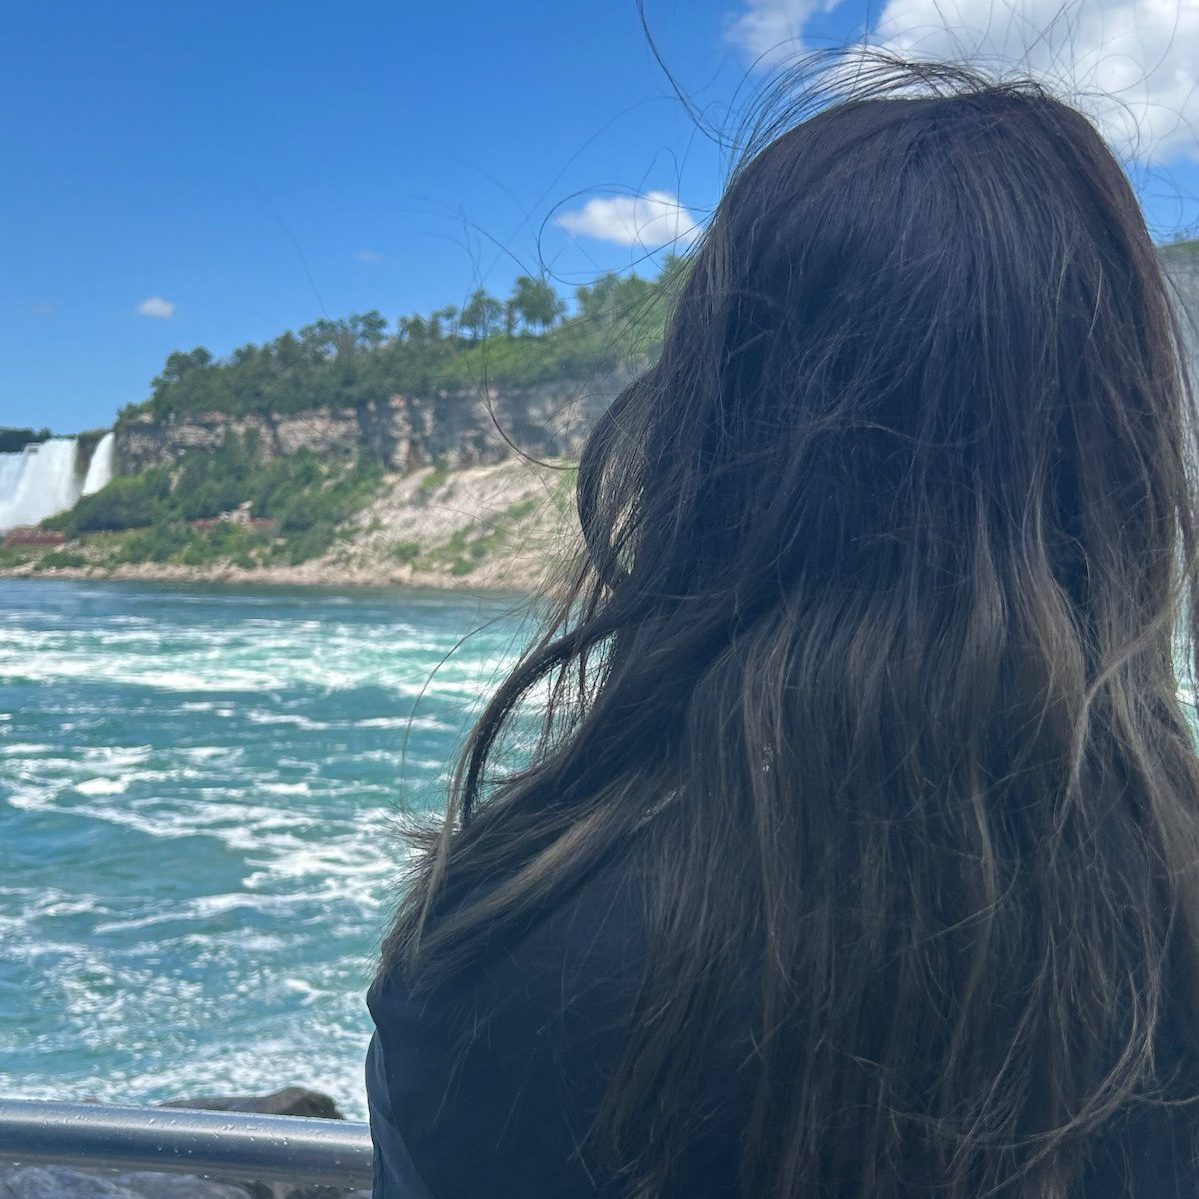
[
  {"x": 288, "y": 352},
  {"x": 414, "y": 329},
  {"x": 597, "y": 301},
  {"x": 481, "y": 313},
  {"x": 616, "y": 297},
  {"x": 369, "y": 329},
  {"x": 327, "y": 339},
  {"x": 179, "y": 365},
  {"x": 536, "y": 302},
  {"x": 128, "y": 502},
  {"x": 435, "y": 327},
  {"x": 355, "y": 363}
]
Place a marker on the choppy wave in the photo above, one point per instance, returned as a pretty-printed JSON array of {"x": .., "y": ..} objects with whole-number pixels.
[{"x": 196, "y": 801}]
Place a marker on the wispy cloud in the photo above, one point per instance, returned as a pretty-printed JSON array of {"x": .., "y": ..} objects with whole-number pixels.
[
  {"x": 1131, "y": 65},
  {"x": 770, "y": 30},
  {"x": 369, "y": 256},
  {"x": 654, "y": 219},
  {"x": 157, "y": 307}
]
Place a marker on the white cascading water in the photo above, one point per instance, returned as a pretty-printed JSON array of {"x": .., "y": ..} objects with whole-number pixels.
[
  {"x": 99, "y": 469},
  {"x": 11, "y": 466},
  {"x": 44, "y": 479}
]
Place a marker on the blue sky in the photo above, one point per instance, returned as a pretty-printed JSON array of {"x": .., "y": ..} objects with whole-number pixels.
[{"x": 211, "y": 174}]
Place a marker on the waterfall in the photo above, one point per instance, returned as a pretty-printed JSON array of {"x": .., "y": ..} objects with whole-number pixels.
[
  {"x": 44, "y": 478},
  {"x": 99, "y": 469}
]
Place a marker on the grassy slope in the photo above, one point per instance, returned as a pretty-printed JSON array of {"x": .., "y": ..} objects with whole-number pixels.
[{"x": 496, "y": 526}]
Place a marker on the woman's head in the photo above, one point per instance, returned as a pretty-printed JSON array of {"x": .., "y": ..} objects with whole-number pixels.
[
  {"x": 868, "y": 660},
  {"x": 916, "y": 329}
]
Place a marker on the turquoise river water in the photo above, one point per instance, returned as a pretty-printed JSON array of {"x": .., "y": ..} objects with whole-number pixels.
[{"x": 195, "y": 794}]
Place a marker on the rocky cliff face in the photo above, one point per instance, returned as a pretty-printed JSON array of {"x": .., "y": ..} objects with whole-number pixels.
[{"x": 403, "y": 433}]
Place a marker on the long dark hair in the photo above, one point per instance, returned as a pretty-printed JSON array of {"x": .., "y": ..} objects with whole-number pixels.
[{"x": 871, "y": 657}]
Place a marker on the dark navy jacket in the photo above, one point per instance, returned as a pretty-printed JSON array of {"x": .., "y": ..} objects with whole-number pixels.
[{"x": 487, "y": 1090}]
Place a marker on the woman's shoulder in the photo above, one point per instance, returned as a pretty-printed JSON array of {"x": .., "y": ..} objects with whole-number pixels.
[
  {"x": 575, "y": 951},
  {"x": 508, "y": 1059}
]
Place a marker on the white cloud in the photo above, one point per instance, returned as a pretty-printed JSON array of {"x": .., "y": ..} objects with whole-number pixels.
[
  {"x": 1132, "y": 65},
  {"x": 771, "y": 30},
  {"x": 157, "y": 307},
  {"x": 369, "y": 256},
  {"x": 654, "y": 219}
]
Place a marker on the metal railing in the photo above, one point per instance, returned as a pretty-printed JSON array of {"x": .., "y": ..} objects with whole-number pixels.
[{"x": 230, "y": 1146}]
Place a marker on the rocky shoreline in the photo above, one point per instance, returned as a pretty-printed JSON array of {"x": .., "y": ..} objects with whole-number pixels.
[{"x": 305, "y": 575}]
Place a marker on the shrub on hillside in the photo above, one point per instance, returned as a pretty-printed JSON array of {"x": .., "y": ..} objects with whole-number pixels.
[
  {"x": 158, "y": 544},
  {"x": 128, "y": 502}
]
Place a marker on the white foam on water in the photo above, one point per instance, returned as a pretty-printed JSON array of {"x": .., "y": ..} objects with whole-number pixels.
[
  {"x": 32, "y": 799},
  {"x": 232, "y": 719},
  {"x": 239, "y": 826},
  {"x": 423, "y": 724},
  {"x": 201, "y": 908},
  {"x": 101, "y": 786},
  {"x": 286, "y": 788},
  {"x": 107, "y": 638},
  {"x": 307, "y": 992},
  {"x": 117, "y": 755},
  {"x": 244, "y": 940},
  {"x": 293, "y": 719},
  {"x": 69, "y": 907},
  {"x": 333, "y": 1058},
  {"x": 24, "y": 640},
  {"x": 229, "y": 658},
  {"x": 49, "y": 902},
  {"x": 226, "y": 755}
]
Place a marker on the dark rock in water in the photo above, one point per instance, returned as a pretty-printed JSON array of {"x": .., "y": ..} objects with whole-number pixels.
[
  {"x": 290, "y": 1101},
  {"x": 62, "y": 1182}
]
